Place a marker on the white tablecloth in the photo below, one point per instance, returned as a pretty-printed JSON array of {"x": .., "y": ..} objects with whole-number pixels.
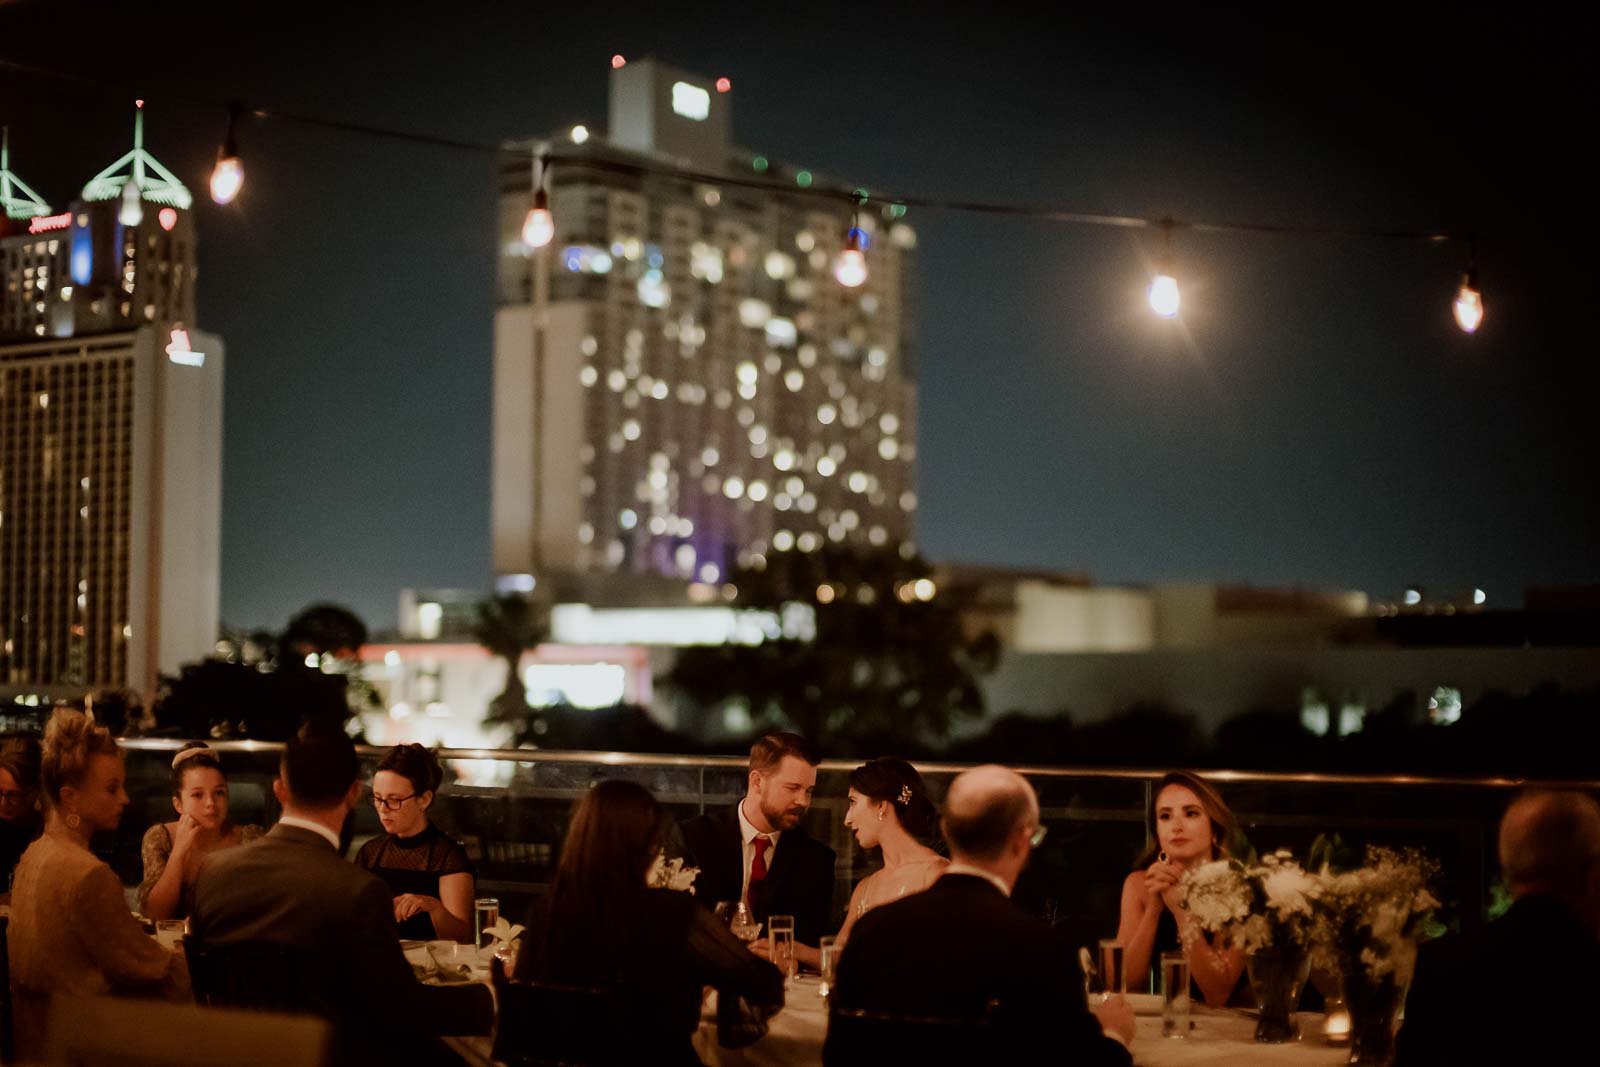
[{"x": 794, "y": 1038}]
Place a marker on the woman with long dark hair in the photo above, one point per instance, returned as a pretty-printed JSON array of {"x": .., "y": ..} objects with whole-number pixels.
[
  {"x": 653, "y": 949},
  {"x": 1191, "y": 826}
]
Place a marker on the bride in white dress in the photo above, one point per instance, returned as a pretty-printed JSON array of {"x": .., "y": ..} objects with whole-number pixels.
[{"x": 890, "y": 810}]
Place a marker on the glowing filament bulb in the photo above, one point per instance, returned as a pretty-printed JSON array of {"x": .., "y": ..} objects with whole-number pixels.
[
  {"x": 540, "y": 226},
  {"x": 226, "y": 177},
  {"x": 850, "y": 269},
  {"x": 1469, "y": 304},
  {"x": 1164, "y": 296}
]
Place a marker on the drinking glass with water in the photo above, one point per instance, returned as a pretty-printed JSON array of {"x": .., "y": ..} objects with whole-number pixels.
[
  {"x": 1174, "y": 994},
  {"x": 485, "y": 913},
  {"x": 780, "y": 942}
]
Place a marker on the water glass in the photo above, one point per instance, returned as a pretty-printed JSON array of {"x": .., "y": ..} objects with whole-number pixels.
[
  {"x": 169, "y": 932},
  {"x": 485, "y": 913},
  {"x": 1113, "y": 975},
  {"x": 780, "y": 943},
  {"x": 1174, "y": 994},
  {"x": 828, "y": 946}
]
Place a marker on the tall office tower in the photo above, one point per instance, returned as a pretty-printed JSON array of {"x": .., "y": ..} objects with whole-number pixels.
[
  {"x": 110, "y": 436},
  {"x": 681, "y": 384}
]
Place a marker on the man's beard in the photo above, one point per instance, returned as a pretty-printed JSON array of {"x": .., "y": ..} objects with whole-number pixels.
[{"x": 782, "y": 818}]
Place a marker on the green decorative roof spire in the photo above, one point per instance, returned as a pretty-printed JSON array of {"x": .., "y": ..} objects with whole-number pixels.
[
  {"x": 154, "y": 182},
  {"x": 16, "y": 199}
]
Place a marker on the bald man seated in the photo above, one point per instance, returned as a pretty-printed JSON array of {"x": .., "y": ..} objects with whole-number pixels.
[
  {"x": 990, "y": 983},
  {"x": 1518, "y": 990}
]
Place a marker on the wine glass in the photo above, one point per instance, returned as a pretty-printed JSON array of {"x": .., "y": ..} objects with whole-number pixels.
[
  {"x": 724, "y": 911},
  {"x": 743, "y": 925}
]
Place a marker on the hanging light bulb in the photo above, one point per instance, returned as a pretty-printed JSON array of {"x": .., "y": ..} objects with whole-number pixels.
[
  {"x": 1164, "y": 297},
  {"x": 539, "y": 228},
  {"x": 1469, "y": 303},
  {"x": 850, "y": 269},
  {"x": 228, "y": 175}
]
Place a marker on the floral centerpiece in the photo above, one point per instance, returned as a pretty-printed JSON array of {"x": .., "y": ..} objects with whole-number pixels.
[
  {"x": 671, "y": 874},
  {"x": 1266, "y": 909},
  {"x": 1365, "y": 928}
]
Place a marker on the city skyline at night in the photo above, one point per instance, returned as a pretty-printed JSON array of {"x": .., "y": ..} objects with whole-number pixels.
[{"x": 1313, "y": 417}]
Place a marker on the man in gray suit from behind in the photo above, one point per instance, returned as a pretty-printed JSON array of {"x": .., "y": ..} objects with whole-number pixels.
[{"x": 294, "y": 888}]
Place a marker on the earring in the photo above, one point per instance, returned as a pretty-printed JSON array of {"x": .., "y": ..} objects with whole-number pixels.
[
  {"x": 72, "y": 820},
  {"x": 1162, "y": 857},
  {"x": 880, "y": 814}
]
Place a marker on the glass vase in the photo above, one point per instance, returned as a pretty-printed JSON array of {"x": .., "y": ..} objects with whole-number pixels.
[
  {"x": 1277, "y": 974},
  {"x": 1374, "y": 1005}
]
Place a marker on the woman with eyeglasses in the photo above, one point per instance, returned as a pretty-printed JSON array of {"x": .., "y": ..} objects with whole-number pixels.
[
  {"x": 173, "y": 851},
  {"x": 429, "y": 872},
  {"x": 20, "y": 820}
]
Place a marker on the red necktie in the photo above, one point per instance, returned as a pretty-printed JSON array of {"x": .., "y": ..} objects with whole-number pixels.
[{"x": 758, "y": 866}]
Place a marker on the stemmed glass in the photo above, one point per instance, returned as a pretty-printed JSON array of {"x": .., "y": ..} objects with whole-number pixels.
[{"x": 743, "y": 925}]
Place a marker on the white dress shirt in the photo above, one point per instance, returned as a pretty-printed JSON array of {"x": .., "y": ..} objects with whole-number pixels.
[
  {"x": 748, "y": 833},
  {"x": 315, "y": 827}
]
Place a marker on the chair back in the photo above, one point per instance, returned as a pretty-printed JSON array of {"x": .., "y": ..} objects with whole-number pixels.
[
  {"x": 94, "y": 1031},
  {"x": 259, "y": 976},
  {"x": 542, "y": 1024},
  {"x": 871, "y": 1038}
]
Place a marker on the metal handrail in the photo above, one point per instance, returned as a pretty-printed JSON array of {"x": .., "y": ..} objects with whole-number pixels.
[{"x": 651, "y": 759}]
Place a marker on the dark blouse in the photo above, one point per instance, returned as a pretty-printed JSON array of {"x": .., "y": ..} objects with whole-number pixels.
[
  {"x": 658, "y": 969},
  {"x": 414, "y": 865},
  {"x": 15, "y": 837}
]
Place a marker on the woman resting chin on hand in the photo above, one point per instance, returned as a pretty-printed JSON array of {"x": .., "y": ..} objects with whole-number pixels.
[{"x": 1191, "y": 826}]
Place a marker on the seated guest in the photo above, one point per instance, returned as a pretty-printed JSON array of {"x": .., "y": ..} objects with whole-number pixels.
[
  {"x": 1191, "y": 826},
  {"x": 427, "y": 872},
  {"x": 654, "y": 949},
  {"x": 756, "y": 851},
  {"x": 20, "y": 821},
  {"x": 890, "y": 810},
  {"x": 293, "y": 889},
  {"x": 1544, "y": 948},
  {"x": 960, "y": 950},
  {"x": 173, "y": 850},
  {"x": 71, "y": 932}
]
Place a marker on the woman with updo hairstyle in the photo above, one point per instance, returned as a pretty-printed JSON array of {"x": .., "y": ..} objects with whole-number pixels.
[
  {"x": 890, "y": 810},
  {"x": 71, "y": 932},
  {"x": 429, "y": 873},
  {"x": 174, "y": 850}
]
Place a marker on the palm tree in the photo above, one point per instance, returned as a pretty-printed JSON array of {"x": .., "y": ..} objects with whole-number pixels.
[{"x": 508, "y": 626}]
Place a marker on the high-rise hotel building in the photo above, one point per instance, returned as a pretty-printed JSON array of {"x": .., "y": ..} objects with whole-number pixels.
[
  {"x": 110, "y": 436},
  {"x": 681, "y": 385}
]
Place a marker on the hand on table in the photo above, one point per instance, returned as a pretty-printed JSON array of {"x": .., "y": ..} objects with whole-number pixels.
[
  {"x": 408, "y": 904},
  {"x": 1116, "y": 1016},
  {"x": 761, "y": 948}
]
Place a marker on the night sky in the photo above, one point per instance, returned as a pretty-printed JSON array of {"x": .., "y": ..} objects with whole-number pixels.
[{"x": 1315, "y": 419}]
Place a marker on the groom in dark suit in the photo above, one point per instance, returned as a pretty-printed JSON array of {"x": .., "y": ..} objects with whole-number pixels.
[
  {"x": 293, "y": 888},
  {"x": 960, "y": 974},
  {"x": 756, "y": 851}
]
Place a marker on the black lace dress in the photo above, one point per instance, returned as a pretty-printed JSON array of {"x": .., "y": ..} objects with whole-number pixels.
[{"x": 415, "y": 865}]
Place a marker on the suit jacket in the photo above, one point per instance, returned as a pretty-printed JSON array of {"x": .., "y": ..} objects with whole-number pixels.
[
  {"x": 951, "y": 950},
  {"x": 799, "y": 881},
  {"x": 1536, "y": 956},
  {"x": 292, "y": 888}
]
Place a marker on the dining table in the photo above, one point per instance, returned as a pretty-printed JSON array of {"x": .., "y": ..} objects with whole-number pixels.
[{"x": 1215, "y": 1036}]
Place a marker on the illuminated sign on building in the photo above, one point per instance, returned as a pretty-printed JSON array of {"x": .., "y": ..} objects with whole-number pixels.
[
  {"x": 180, "y": 352},
  {"x": 44, "y": 223}
]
